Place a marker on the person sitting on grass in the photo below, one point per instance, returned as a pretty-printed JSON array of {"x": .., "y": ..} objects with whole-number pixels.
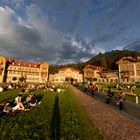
[
  {"x": 7, "y": 108},
  {"x": 18, "y": 98},
  {"x": 19, "y": 106},
  {"x": 31, "y": 100},
  {"x": 28, "y": 99},
  {"x": 18, "y": 103}
]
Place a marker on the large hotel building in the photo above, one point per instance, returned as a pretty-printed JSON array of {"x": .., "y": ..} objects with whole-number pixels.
[
  {"x": 129, "y": 69},
  {"x": 32, "y": 72}
]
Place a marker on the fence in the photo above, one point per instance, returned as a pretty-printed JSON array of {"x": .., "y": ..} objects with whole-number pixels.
[
  {"x": 130, "y": 108},
  {"x": 129, "y": 96}
]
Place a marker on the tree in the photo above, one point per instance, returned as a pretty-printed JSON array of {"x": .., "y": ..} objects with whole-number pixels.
[
  {"x": 21, "y": 79},
  {"x": 14, "y": 78},
  {"x": 103, "y": 61}
]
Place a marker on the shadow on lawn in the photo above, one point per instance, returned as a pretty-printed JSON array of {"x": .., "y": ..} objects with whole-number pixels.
[{"x": 56, "y": 120}]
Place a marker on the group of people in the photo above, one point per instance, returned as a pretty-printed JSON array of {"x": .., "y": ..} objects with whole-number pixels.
[
  {"x": 54, "y": 88},
  {"x": 18, "y": 105},
  {"x": 132, "y": 87},
  {"x": 119, "y": 99},
  {"x": 90, "y": 87}
]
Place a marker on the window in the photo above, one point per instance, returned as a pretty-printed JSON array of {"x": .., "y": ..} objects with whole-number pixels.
[
  {"x": 138, "y": 66},
  {"x": 131, "y": 73},
  {"x": 138, "y": 73},
  {"x": 131, "y": 66}
]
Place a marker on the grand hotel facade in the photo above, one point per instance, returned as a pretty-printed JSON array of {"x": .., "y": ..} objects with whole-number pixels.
[
  {"x": 32, "y": 72},
  {"x": 128, "y": 71}
]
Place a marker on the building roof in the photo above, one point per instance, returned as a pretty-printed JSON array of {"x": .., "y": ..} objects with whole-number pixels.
[
  {"x": 23, "y": 63},
  {"x": 93, "y": 67},
  {"x": 128, "y": 58}
]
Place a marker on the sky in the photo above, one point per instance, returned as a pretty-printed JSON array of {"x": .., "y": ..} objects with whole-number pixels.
[{"x": 67, "y": 31}]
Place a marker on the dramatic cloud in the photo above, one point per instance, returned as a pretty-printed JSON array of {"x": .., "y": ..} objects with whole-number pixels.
[
  {"x": 62, "y": 31},
  {"x": 32, "y": 40}
]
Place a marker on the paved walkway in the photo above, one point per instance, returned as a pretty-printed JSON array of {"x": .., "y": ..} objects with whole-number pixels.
[{"x": 112, "y": 124}]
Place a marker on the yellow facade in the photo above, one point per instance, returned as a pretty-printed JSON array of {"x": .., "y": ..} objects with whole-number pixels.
[
  {"x": 91, "y": 72},
  {"x": 129, "y": 69},
  {"x": 95, "y": 72},
  {"x": 32, "y": 72},
  {"x": 109, "y": 76},
  {"x": 65, "y": 73}
]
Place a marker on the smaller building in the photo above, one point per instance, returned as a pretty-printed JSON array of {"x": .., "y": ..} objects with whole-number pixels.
[
  {"x": 92, "y": 72},
  {"x": 66, "y": 73},
  {"x": 110, "y": 76}
]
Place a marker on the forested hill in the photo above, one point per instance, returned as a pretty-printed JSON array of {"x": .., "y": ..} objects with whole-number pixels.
[{"x": 107, "y": 60}]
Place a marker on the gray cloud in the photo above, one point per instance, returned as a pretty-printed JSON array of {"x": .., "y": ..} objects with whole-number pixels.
[
  {"x": 34, "y": 39},
  {"x": 76, "y": 50},
  {"x": 22, "y": 42},
  {"x": 66, "y": 31}
]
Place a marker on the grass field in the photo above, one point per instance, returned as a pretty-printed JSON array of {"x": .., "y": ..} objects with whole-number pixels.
[{"x": 58, "y": 117}]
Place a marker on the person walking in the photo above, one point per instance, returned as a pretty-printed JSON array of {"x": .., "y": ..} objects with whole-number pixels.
[
  {"x": 121, "y": 99},
  {"x": 109, "y": 95}
]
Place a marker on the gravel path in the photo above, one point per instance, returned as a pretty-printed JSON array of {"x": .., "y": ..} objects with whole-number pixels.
[{"x": 112, "y": 124}]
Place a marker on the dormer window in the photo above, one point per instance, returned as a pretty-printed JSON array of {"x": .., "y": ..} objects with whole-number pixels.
[
  {"x": 13, "y": 63},
  {"x": 19, "y": 64}
]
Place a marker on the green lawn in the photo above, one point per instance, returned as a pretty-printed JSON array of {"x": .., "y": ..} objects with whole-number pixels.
[
  {"x": 58, "y": 117},
  {"x": 9, "y": 95}
]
